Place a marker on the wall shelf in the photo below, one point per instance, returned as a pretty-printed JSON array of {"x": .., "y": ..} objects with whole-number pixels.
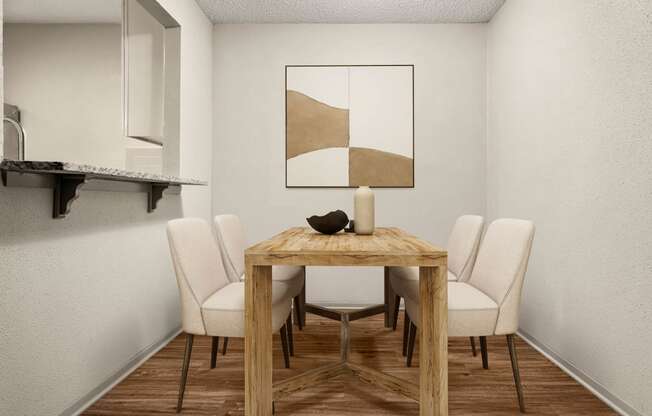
[{"x": 67, "y": 179}]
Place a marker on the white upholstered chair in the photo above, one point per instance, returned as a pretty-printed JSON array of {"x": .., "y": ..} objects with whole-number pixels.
[
  {"x": 488, "y": 303},
  {"x": 210, "y": 303},
  {"x": 232, "y": 242},
  {"x": 462, "y": 246}
]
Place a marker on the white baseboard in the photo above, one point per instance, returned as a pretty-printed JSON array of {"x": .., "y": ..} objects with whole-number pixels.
[
  {"x": 593, "y": 386},
  {"x": 87, "y": 400}
]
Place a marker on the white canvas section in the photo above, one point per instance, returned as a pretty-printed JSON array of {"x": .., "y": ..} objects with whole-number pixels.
[
  {"x": 381, "y": 108},
  {"x": 329, "y": 85},
  {"x": 324, "y": 167}
]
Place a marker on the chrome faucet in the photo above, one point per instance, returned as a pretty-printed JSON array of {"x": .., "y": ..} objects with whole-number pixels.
[{"x": 21, "y": 136}]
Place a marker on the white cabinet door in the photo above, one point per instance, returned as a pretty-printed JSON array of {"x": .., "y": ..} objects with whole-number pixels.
[{"x": 145, "y": 73}]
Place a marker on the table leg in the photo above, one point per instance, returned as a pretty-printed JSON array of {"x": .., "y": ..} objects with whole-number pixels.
[
  {"x": 258, "y": 341},
  {"x": 433, "y": 340}
]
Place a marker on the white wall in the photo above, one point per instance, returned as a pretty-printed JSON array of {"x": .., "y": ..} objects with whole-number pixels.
[
  {"x": 569, "y": 128},
  {"x": 249, "y": 116},
  {"x": 66, "y": 80},
  {"x": 80, "y": 297}
]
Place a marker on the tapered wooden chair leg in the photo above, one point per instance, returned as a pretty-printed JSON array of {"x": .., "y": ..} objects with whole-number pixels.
[
  {"x": 288, "y": 325},
  {"x": 473, "y": 346},
  {"x": 484, "y": 353},
  {"x": 397, "y": 303},
  {"x": 284, "y": 344},
  {"x": 406, "y": 332},
  {"x": 517, "y": 374},
  {"x": 184, "y": 370},
  {"x": 226, "y": 342},
  {"x": 411, "y": 338},
  {"x": 298, "y": 311},
  {"x": 214, "y": 343}
]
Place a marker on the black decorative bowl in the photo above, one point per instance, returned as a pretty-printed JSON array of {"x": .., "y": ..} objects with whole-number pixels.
[{"x": 330, "y": 223}]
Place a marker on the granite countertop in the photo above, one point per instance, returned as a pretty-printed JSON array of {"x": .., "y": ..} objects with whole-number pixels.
[{"x": 53, "y": 167}]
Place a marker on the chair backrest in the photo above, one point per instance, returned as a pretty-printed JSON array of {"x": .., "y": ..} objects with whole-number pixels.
[
  {"x": 463, "y": 244},
  {"x": 500, "y": 268},
  {"x": 231, "y": 240},
  {"x": 198, "y": 266}
]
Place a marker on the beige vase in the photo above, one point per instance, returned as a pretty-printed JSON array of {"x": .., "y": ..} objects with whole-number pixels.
[{"x": 363, "y": 203}]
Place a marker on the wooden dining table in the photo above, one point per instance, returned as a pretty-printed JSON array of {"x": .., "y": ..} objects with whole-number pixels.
[{"x": 301, "y": 246}]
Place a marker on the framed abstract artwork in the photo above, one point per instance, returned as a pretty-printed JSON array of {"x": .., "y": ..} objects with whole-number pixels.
[{"x": 349, "y": 126}]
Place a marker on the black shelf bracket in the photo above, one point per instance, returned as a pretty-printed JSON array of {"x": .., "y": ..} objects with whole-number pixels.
[
  {"x": 66, "y": 190},
  {"x": 67, "y": 181},
  {"x": 154, "y": 194}
]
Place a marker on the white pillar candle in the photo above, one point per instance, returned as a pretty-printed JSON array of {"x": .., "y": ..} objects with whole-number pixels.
[{"x": 363, "y": 202}]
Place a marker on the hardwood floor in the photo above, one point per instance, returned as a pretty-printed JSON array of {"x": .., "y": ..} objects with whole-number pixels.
[{"x": 152, "y": 388}]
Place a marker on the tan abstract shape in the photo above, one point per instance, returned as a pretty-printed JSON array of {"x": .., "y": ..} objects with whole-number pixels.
[
  {"x": 377, "y": 168},
  {"x": 313, "y": 125}
]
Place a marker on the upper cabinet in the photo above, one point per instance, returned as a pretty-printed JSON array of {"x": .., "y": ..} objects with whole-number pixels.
[{"x": 151, "y": 60}]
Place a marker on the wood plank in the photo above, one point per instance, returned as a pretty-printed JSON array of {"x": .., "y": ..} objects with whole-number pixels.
[
  {"x": 308, "y": 379},
  {"x": 151, "y": 389},
  {"x": 386, "y": 381},
  {"x": 386, "y": 247},
  {"x": 433, "y": 341},
  {"x": 258, "y": 340},
  {"x": 342, "y": 259}
]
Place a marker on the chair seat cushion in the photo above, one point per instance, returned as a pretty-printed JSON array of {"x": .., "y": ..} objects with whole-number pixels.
[
  {"x": 470, "y": 311},
  {"x": 402, "y": 280},
  {"x": 223, "y": 311},
  {"x": 292, "y": 276}
]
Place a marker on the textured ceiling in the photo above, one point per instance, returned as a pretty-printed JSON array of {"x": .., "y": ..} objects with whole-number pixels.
[
  {"x": 62, "y": 11},
  {"x": 350, "y": 11}
]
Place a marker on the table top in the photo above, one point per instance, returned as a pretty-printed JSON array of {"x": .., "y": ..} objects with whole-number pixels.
[{"x": 385, "y": 247}]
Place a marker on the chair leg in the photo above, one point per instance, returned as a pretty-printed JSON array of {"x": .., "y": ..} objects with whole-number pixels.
[
  {"x": 517, "y": 375},
  {"x": 485, "y": 354},
  {"x": 214, "y": 343},
  {"x": 473, "y": 346},
  {"x": 411, "y": 338},
  {"x": 284, "y": 344},
  {"x": 387, "y": 299},
  {"x": 397, "y": 303},
  {"x": 288, "y": 325},
  {"x": 298, "y": 310},
  {"x": 184, "y": 370},
  {"x": 300, "y": 304},
  {"x": 226, "y": 342},
  {"x": 406, "y": 332},
  {"x": 303, "y": 299}
]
